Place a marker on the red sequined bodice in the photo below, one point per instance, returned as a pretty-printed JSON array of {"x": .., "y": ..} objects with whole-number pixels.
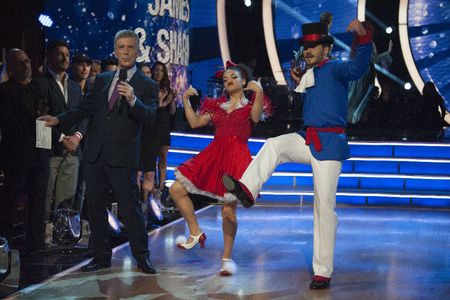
[{"x": 236, "y": 124}]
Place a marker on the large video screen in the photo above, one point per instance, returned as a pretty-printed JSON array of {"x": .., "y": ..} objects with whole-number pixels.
[
  {"x": 205, "y": 50},
  {"x": 162, "y": 26},
  {"x": 182, "y": 33}
]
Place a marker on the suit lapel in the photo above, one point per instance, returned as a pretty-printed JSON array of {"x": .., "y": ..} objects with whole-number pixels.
[
  {"x": 71, "y": 94},
  {"x": 55, "y": 89},
  {"x": 105, "y": 91},
  {"x": 134, "y": 79},
  {"x": 109, "y": 79},
  {"x": 134, "y": 82}
]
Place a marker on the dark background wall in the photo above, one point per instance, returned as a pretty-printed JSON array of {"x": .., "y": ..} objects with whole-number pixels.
[
  {"x": 19, "y": 27},
  {"x": 246, "y": 36}
]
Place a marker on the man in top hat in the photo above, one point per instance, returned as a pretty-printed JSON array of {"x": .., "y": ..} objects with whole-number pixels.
[{"x": 322, "y": 143}]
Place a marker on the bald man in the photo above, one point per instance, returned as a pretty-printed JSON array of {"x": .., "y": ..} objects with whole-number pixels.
[{"x": 22, "y": 163}]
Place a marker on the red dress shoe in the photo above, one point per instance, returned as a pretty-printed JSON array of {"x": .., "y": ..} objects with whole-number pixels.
[
  {"x": 319, "y": 283},
  {"x": 196, "y": 239}
]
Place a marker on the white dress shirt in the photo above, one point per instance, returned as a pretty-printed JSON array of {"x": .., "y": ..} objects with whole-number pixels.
[{"x": 62, "y": 83}]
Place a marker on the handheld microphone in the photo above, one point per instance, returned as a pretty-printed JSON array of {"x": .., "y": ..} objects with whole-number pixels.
[
  {"x": 302, "y": 48},
  {"x": 301, "y": 60},
  {"x": 122, "y": 77}
]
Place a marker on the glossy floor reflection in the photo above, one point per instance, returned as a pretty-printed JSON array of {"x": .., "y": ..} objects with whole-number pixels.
[{"x": 381, "y": 253}]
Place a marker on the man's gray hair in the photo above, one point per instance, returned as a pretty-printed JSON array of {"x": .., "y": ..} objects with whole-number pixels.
[{"x": 126, "y": 33}]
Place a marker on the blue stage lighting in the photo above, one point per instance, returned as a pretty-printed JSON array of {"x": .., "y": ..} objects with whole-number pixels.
[{"x": 45, "y": 20}]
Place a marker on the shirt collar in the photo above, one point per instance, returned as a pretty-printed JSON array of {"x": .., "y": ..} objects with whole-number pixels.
[{"x": 64, "y": 76}]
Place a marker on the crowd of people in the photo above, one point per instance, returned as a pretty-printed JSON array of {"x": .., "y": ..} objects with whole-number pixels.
[
  {"x": 396, "y": 113},
  {"x": 44, "y": 181}
]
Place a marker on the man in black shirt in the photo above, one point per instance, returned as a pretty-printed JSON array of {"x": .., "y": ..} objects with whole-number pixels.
[{"x": 23, "y": 165}]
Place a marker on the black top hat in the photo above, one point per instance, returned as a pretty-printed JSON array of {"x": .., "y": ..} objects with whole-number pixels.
[
  {"x": 315, "y": 34},
  {"x": 80, "y": 57}
]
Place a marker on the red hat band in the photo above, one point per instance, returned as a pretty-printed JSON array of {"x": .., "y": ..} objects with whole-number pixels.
[{"x": 311, "y": 37}]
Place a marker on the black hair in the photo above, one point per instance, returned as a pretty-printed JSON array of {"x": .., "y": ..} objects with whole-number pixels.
[
  {"x": 109, "y": 61},
  {"x": 243, "y": 70},
  {"x": 165, "y": 81},
  {"x": 53, "y": 45},
  {"x": 326, "y": 17},
  {"x": 145, "y": 64}
]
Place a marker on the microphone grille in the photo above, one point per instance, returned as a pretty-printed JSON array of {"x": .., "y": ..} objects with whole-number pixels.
[{"x": 122, "y": 74}]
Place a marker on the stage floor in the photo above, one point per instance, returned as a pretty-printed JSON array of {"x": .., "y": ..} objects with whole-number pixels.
[{"x": 381, "y": 253}]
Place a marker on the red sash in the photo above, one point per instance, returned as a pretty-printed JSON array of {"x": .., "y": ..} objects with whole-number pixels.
[{"x": 312, "y": 135}]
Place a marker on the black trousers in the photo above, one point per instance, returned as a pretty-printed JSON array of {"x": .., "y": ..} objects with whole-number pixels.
[
  {"x": 25, "y": 174},
  {"x": 100, "y": 179}
]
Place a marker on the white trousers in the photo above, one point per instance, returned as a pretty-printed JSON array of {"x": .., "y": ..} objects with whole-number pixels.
[{"x": 291, "y": 148}]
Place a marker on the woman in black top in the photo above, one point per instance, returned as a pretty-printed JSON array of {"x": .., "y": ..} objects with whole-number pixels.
[
  {"x": 149, "y": 149},
  {"x": 155, "y": 140},
  {"x": 166, "y": 108},
  {"x": 433, "y": 108}
]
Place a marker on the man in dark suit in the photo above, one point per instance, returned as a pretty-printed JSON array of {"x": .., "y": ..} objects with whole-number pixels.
[
  {"x": 81, "y": 67},
  {"x": 23, "y": 165},
  {"x": 118, "y": 108},
  {"x": 61, "y": 94}
]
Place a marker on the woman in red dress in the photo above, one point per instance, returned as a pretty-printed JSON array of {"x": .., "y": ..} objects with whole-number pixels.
[{"x": 233, "y": 116}]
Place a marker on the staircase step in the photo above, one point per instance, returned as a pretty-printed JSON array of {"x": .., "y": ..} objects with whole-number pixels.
[
  {"x": 355, "y": 164},
  {"x": 304, "y": 195},
  {"x": 379, "y": 173},
  {"x": 363, "y": 149},
  {"x": 358, "y": 181},
  {"x": 366, "y": 181}
]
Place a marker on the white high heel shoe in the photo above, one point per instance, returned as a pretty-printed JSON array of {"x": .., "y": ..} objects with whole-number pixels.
[
  {"x": 196, "y": 239},
  {"x": 229, "y": 267}
]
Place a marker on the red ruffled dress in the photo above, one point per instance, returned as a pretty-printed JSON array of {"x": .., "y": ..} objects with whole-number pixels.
[{"x": 228, "y": 153}]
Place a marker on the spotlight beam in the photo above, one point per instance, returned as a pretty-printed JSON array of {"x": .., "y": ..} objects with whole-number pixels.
[
  {"x": 298, "y": 16},
  {"x": 376, "y": 20},
  {"x": 389, "y": 74}
]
